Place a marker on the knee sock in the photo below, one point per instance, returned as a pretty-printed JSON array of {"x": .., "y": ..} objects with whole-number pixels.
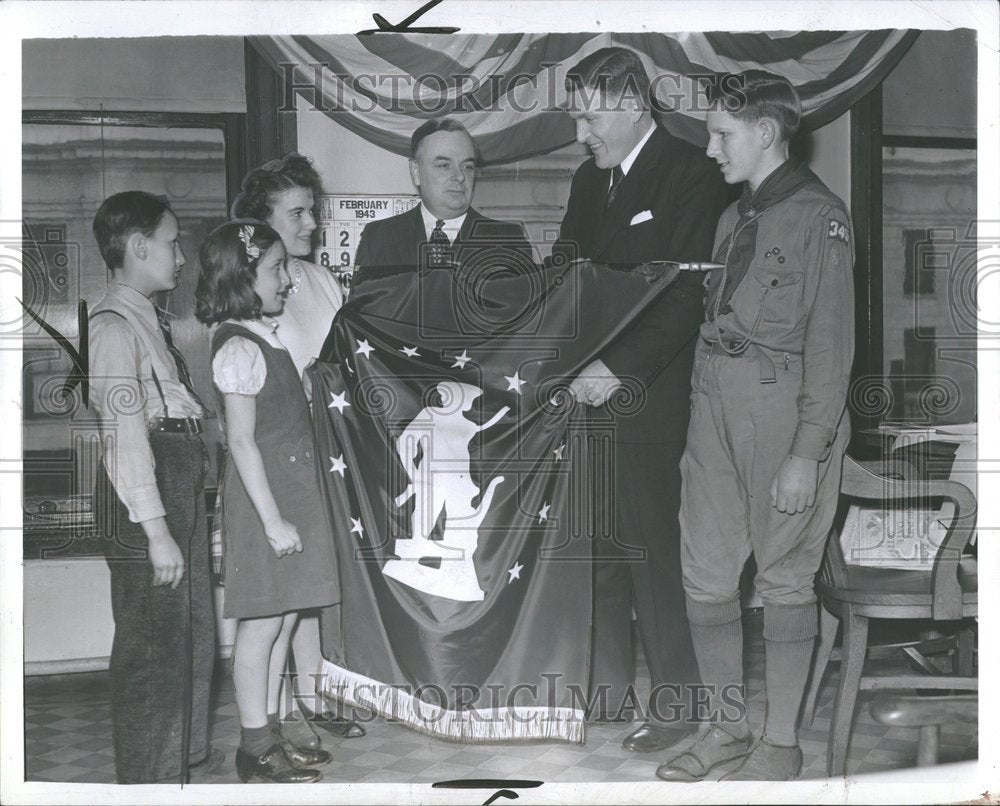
[
  {"x": 717, "y": 635},
  {"x": 789, "y": 635},
  {"x": 256, "y": 741}
]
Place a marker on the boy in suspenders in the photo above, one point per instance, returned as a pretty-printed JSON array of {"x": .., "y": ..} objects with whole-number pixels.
[{"x": 150, "y": 501}]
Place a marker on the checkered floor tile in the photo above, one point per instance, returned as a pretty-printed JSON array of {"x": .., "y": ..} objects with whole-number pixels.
[{"x": 68, "y": 739}]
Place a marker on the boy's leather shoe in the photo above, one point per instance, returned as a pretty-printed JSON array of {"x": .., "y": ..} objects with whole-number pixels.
[
  {"x": 714, "y": 747},
  {"x": 768, "y": 762}
]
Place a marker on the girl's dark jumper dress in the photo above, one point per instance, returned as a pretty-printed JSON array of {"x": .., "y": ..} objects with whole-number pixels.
[{"x": 258, "y": 583}]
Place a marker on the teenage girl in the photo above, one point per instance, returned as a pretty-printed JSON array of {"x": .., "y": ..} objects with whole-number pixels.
[{"x": 283, "y": 192}]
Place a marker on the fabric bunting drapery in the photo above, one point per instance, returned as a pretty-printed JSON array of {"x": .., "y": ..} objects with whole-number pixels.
[{"x": 508, "y": 88}]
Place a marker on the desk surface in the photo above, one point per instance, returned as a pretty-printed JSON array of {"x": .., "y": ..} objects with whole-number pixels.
[{"x": 961, "y": 433}]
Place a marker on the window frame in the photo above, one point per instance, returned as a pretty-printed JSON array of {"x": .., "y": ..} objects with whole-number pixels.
[
  {"x": 233, "y": 127},
  {"x": 231, "y": 124},
  {"x": 866, "y": 143}
]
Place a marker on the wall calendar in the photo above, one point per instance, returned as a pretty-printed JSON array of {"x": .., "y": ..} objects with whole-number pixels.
[{"x": 343, "y": 217}]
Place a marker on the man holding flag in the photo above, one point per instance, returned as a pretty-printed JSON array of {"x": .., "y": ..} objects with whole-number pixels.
[
  {"x": 644, "y": 196},
  {"x": 451, "y": 448}
]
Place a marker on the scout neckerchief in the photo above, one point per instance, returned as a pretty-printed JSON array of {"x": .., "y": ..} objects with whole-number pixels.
[{"x": 785, "y": 180}]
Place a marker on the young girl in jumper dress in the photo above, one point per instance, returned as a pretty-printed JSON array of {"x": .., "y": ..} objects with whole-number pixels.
[
  {"x": 277, "y": 547},
  {"x": 283, "y": 193}
]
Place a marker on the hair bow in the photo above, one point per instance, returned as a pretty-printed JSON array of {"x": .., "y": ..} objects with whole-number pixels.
[{"x": 245, "y": 234}]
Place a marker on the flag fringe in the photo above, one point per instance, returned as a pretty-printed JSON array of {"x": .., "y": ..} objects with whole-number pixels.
[{"x": 507, "y": 724}]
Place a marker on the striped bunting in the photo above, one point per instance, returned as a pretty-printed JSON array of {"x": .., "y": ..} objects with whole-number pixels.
[{"x": 508, "y": 89}]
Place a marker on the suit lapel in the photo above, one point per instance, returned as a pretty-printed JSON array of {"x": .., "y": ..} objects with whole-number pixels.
[
  {"x": 633, "y": 194},
  {"x": 591, "y": 210},
  {"x": 417, "y": 236},
  {"x": 462, "y": 249},
  {"x": 468, "y": 226}
]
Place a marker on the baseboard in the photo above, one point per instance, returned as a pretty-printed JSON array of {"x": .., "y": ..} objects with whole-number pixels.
[{"x": 74, "y": 665}]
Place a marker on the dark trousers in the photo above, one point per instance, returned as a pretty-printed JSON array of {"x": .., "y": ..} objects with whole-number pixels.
[
  {"x": 164, "y": 645},
  {"x": 641, "y": 568}
]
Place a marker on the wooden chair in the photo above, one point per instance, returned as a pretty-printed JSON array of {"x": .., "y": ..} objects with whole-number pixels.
[
  {"x": 929, "y": 714},
  {"x": 852, "y": 594}
]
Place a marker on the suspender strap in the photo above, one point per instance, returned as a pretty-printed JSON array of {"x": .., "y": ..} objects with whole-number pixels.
[
  {"x": 156, "y": 381},
  {"x": 159, "y": 389}
]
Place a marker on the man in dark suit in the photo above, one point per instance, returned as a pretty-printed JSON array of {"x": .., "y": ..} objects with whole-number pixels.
[
  {"x": 444, "y": 228},
  {"x": 643, "y": 196}
]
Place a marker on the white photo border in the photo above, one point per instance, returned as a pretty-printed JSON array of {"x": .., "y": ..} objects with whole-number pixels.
[{"x": 20, "y": 19}]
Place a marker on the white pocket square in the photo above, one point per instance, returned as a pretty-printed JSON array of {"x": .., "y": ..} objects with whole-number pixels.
[{"x": 638, "y": 218}]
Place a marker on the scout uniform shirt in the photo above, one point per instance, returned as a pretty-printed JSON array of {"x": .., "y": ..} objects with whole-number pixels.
[{"x": 787, "y": 290}]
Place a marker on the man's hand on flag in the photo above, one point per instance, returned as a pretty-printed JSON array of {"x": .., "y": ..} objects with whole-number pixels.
[{"x": 595, "y": 384}]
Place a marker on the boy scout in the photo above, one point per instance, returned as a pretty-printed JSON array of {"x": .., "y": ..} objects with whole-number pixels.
[{"x": 761, "y": 469}]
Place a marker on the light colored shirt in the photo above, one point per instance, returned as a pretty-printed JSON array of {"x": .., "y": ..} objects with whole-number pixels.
[
  {"x": 238, "y": 366},
  {"x": 634, "y": 153},
  {"x": 309, "y": 312},
  {"x": 124, "y": 354},
  {"x": 451, "y": 227}
]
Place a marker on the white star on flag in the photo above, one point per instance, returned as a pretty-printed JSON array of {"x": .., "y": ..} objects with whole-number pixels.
[
  {"x": 410, "y": 352},
  {"x": 357, "y": 527},
  {"x": 514, "y": 383},
  {"x": 543, "y": 513},
  {"x": 461, "y": 360},
  {"x": 364, "y": 348},
  {"x": 339, "y": 402},
  {"x": 515, "y": 572},
  {"x": 337, "y": 465},
  {"x": 559, "y": 452}
]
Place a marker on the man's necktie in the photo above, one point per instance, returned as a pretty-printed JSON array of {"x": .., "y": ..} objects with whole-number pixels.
[
  {"x": 616, "y": 180},
  {"x": 440, "y": 245},
  {"x": 182, "y": 371}
]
